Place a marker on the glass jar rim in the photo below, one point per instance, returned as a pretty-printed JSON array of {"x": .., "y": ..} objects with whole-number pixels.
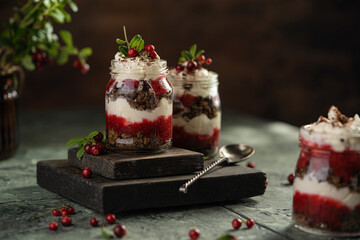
[
  {"x": 179, "y": 79},
  {"x": 156, "y": 66}
]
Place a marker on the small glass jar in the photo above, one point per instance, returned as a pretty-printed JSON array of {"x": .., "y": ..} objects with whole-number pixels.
[
  {"x": 138, "y": 102},
  {"x": 197, "y": 112},
  {"x": 327, "y": 184}
]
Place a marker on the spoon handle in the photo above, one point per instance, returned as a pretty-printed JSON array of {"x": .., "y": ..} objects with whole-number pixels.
[{"x": 184, "y": 187}]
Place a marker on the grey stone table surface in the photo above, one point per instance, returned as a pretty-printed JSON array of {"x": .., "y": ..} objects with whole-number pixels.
[{"x": 43, "y": 137}]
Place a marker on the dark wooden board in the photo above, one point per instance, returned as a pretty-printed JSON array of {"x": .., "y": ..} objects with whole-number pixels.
[
  {"x": 113, "y": 165},
  {"x": 105, "y": 195}
]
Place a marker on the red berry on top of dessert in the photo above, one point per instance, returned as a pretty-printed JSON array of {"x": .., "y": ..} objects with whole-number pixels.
[
  {"x": 326, "y": 184},
  {"x": 197, "y": 114},
  {"x": 138, "y": 99}
]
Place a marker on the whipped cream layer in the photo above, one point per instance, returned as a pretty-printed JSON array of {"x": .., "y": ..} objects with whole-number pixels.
[
  {"x": 138, "y": 68},
  {"x": 200, "y": 124},
  {"x": 121, "y": 108},
  {"x": 338, "y": 131},
  {"x": 310, "y": 185}
]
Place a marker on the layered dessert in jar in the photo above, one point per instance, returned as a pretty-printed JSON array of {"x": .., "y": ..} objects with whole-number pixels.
[
  {"x": 197, "y": 113},
  {"x": 327, "y": 179},
  {"x": 138, "y": 100}
]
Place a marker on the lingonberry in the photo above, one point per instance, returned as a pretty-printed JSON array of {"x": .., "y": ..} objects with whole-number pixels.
[
  {"x": 99, "y": 137},
  {"x": 94, "y": 221},
  {"x": 39, "y": 65},
  {"x": 85, "y": 68},
  {"x": 86, "y": 172},
  {"x": 53, "y": 226},
  {"x": 63, "y": 208},
  {"x": 191, "y": 65},
  {"x": 110, "y": 218},
  {"x": 95, "y": 150},
  {"x": 250, "y": 223},
  {"x": 71, "y": 210},
  {"x": 266, "y": 182},
  {"x": 87, "y": 148},
  {"x": 132, "y": 52},
  {"x": 101, "y": 147},
  {"x": 150, "y": 48},
  {"x": 251, "y": 165},
  {"x": 64, "y": 213},
  {"x": 66, "y": 221},
  {"x": 208, "y": 61},
  {"x": 236, "y": 223},
  {"x": 153, "y": 54},
  {"x": 201, "y": 58},
  {"x": 179, "y": 68},
  {"x": 194, "y": 233},
  {"x": 291, "y": 178},
  {"x": 119, "y": 230},
  {"x": 55, "y": 212},
  {"x": 77, "y": 63}
]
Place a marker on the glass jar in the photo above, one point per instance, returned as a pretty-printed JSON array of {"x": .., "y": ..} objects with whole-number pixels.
[
  {"x": 197, "y": 112},
  {"x": 327, "y": 184},
  {"x": 9, "y": 121},
  {"x": 138, "y": 102}
]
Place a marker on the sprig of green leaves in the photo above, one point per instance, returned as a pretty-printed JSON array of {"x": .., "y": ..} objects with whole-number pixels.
[
  {"x": 81, "y": 142},
  {"x": 136, "y": 42},
  {"x": 190, "y": 55},
  {"x": 225, "y": 237}
]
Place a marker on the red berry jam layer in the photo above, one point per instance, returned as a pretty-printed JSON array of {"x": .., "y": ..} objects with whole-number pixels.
[
  {"x": 325, "y": 213},
  {"x": 204, "y": 143},
  {"x": 144, "y": 135}
]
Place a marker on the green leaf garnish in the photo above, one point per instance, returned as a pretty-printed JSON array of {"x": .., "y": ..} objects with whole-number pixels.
[
  {"x": 186, "y": 55},
  {"x": 190, "y": 55},
  {"x": 119, "y": 41},
  {"x": 81, "y": 142},
  {"x": 199, "y": 53},
  {"x": 225, "y": 237},
  {"x": 66, "y": 37},
  {"x": 86, "y": 52},
  {"x": 140, "y": 46},
  {"x": 124, "y": 50},
  {"x": 135, "y": 41},
  {"x": 193, "y": 50},
  {"x": 27, "y": 62}
]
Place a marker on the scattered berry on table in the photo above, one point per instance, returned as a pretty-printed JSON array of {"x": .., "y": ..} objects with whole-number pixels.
[
  {"x": 64, "y": 213},
  {"x": 119, "y": 230},
  {"x": 236, "y": 223},
  {"x": 87, "y": 173},
  {"x": 87, "y": 148},
  {"x": 194, "y": 233},
  {"x": 94, "y": 221},
  {"x": 66, "y": 221},
  {"x": 95, "y": 150},
  {"x": 71, "y": 210},
  {"x": 55, "y": 212},
  {"x": 251, "y": 165},
  {"x": 291, "y": 178},
  {"x": 250, "y": 223},
  {"x": 99, "y": 137},
  {"x": 53, "y": 226},
  {"x": 266, "y": 182},
  {"x": 110, "y": 218},
  {"x": 101, "y": 147}
]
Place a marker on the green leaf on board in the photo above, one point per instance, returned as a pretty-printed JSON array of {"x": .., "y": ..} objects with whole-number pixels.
[
  {"x": 225, "y": 237},
  {"x": 93, "y": 134},
  {"x": 74, "y": 141},
  {"x": 107, "y": 233},
  {"x": 80, "y": 152}
]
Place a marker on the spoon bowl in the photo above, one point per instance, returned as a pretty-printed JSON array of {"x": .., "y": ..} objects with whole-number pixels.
[{"x": 236, "y": 152}]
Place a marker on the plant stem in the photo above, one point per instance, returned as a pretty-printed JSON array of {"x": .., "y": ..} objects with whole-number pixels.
[
  {"x": 126, "y": 36},
  {"x": 30, "y": 13}
]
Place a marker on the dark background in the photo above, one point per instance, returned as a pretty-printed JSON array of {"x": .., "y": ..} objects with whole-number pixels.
[{"x": 282, "y": 59}]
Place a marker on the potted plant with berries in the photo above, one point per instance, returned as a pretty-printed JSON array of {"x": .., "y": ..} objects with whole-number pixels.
[{"x": 28, "y": 42}]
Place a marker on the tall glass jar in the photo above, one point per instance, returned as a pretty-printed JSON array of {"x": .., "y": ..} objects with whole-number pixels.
[
  {"x": 197, "y": 112},
  {"x": 138, "y": 102},
  {"x": 327, "y": 183}
]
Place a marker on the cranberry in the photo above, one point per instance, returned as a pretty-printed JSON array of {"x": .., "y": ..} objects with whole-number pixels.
[
  {"x": 99, "y": 137},
  {"x": 64, "y": 212},
  {"x": 53, "y": 226},
  {"x": 85, "y": 68},
  {"x": 86, "y": 172},
  {"x": 236, "y": 223},
  {"x": 194, "y": 233},
  {"x": 191, "y": 65},
  {"x": 77, "y": 63},
  {"x": 39, "y": 56},
  {"x": 120, "y": 230},
  {"x": 150, "y": 48},
  {"x": 66, "y": 221},
  {"x": 266, "y": 182},
  {"x": 208, "y": 61},
  {"x": 251, "y": 165},
  {"x": 71, "y": 210},
  {"x": 101, "y": 147},
  {"x": 110, "y": 218},
  {"x": 153, "y": 54},
  {"x": 199, "y": 64},
  {"x": 94, "y": 221},
  {"x": 201, "y": 58},
  {"x": 179, "y": 68},
  {"x": 132, "y": 52},
  {"x": 63, "y": 208},
  {"x": 291, "y": 178},
  {"x": 39, "y": 65},
  {"x": 95, "y": 150},
  {"x": 55, "y": 212},
  {"x": 250, "y": 223},
  {"x": 87, "y": 148}
]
